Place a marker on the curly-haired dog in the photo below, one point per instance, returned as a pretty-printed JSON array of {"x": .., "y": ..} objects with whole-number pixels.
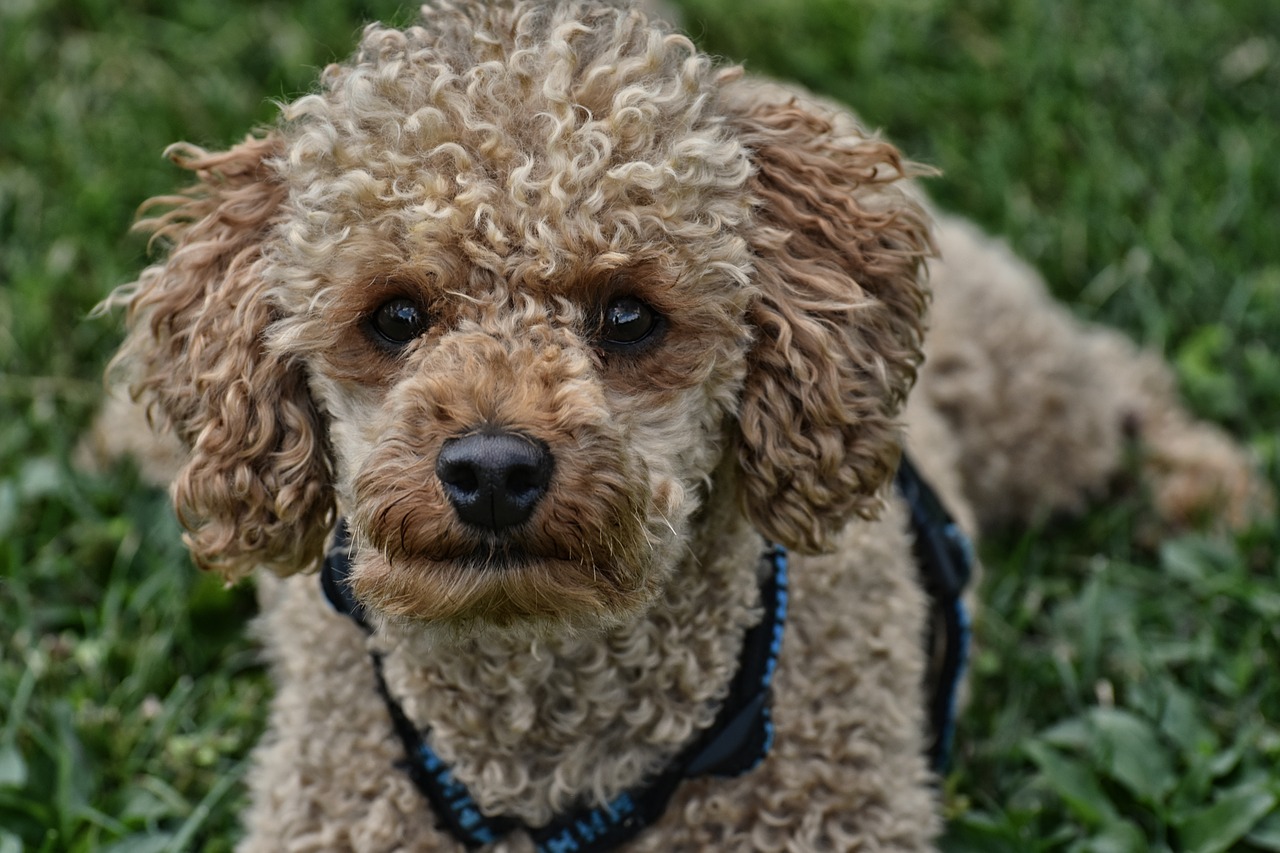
[{"x": 568, "y": 324}]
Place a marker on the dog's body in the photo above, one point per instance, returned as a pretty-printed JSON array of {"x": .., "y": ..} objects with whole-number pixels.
[{"x": 655, "y": 314}]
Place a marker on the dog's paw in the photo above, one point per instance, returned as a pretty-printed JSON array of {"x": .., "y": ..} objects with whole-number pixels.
[{"x": 1200, "y": 478}]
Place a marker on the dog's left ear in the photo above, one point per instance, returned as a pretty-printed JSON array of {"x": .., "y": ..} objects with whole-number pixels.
[{"x": 838, "y": 321}]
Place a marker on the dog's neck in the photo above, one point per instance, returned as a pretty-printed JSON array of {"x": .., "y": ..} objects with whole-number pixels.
[{"x": 533, "y": 727}]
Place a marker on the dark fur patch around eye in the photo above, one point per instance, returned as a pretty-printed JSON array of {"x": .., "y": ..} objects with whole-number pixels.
[{"x": 373, "y": 325}]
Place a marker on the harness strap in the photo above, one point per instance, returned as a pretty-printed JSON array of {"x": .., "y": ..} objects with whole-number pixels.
[
  {"x": 945, "y": 558},
  {"x": 735, "y": 743},
  {"x": 449, "y": 798}
]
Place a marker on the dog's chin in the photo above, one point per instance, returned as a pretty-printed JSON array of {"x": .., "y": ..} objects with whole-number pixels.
[{"x": 499, "y": 592}]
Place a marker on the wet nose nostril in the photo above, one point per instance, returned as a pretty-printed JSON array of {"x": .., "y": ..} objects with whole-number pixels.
[
  {"x": 525, "y": 479},
  {"x": 459, "y": 475},
  {"x": 494, "y": 479}
]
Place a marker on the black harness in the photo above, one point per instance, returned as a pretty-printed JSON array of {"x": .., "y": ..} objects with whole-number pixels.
[
  {"x": 944, "y": 556},
  {"x": 742, "y": 733}
]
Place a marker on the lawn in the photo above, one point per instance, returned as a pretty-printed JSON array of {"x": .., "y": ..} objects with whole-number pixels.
[{"x": 1124, "y": 695}]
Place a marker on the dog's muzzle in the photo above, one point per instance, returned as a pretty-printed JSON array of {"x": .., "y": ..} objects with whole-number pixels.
[{"x": 494, "y": 478}]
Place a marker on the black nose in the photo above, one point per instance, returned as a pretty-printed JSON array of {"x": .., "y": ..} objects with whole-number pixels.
[{"x": 494, "y": 479}]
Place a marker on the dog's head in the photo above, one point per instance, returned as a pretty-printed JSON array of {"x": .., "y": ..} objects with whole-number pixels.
[{"x": 515, "y": 292}]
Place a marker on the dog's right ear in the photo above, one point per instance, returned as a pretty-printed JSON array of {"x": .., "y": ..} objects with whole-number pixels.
[{"x": 256, "y": 486}]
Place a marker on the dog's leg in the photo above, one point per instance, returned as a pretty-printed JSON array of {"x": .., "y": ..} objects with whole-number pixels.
[{"x": 1042, "y": 406}]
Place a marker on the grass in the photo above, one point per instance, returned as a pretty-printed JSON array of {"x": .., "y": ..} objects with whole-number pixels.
[{"x": 1124, "y": 692}]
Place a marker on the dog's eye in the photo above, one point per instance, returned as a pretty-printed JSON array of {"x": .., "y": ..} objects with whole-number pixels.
[
  {"x": 628, "y": 321},
  {"x": 398, "y": 321}
]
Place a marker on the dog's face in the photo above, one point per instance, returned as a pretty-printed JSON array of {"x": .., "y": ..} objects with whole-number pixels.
[
  {"x": 517, "y": 276},
  {"x": 512, "y": 293}
]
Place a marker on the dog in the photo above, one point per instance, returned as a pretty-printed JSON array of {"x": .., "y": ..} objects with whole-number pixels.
[{"x": 579, "y": 368}]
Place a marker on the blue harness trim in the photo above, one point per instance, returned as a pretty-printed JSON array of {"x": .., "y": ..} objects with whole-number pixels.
[{"x": 743, "y": 731}]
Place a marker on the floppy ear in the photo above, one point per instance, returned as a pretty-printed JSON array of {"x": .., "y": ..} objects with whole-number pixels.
[
  {"x": 255, "y": 488},
  {"x": 838, "y": 321}
]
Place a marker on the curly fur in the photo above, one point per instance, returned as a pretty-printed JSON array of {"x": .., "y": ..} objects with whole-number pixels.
[
  {"x": 510, "y": 168},
  {"x": 840, "y": 323},
  {"x": 254, "y": 487}
]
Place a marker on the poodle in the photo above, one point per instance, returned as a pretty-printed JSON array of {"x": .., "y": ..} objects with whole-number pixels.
[{"x": 578, "y": 366}]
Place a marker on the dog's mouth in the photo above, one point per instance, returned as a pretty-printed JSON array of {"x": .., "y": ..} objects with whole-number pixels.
[
  {"x": 495, "y": 557},
  {"x": 499, "y": 586},
  {"x": 489, "y": 558},
  {"x": 473, "y": 552}
]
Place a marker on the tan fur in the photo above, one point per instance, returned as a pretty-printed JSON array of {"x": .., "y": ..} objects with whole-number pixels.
[
  {"x": 839, "y": 323},
  {"x": 253, "y": 488},
  {"x": 509, "y": 169}
]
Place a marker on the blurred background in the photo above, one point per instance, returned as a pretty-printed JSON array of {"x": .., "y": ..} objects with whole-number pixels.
[{"x": 1124, "y": 688}]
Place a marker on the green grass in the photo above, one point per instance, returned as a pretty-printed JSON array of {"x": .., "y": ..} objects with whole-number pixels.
[{"x": 1124, "y": 692}]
